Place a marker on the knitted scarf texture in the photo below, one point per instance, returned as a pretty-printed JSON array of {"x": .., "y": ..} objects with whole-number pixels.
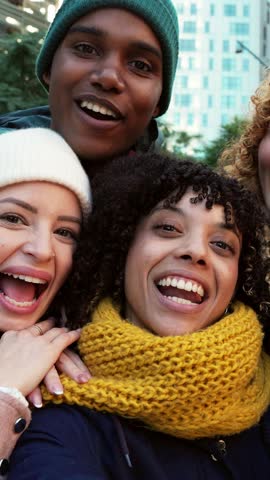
[{"x": 212, "y": 382}]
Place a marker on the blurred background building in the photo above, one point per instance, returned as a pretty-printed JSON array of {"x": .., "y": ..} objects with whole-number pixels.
[
  {"x": 218, "y": 69},
  {"x": 26, "y": 15}
]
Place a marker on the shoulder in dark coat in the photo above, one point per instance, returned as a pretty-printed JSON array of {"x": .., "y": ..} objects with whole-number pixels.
[{"x": 75, "y": 443}]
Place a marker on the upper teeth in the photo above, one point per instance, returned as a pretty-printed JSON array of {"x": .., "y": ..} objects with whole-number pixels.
[
  {"x": 26, "y": 278},
  {"x": 182, "y": 284},
  {"x": 97, "y": 108}
]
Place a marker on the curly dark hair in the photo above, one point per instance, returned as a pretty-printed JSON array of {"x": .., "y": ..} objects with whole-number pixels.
[{"x": 124, "y": 193}]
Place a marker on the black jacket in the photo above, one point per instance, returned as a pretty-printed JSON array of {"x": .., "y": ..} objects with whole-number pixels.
[{"x": 75, "y": 443}]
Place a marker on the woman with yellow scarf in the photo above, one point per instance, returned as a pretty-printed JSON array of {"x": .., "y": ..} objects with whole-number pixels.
[{"x": 173, "y": 279}]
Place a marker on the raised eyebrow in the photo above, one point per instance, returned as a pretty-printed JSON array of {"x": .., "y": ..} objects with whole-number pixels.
[
  {"x": 170, "y": 208},
  {"x": 230, "y": 226},
  {"x": 20, "y": 203},
  {"x": 69, "y": 218}
]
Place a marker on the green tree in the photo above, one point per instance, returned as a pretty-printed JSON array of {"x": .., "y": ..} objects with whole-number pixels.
[
  {"x": 19, "y": 87},
  {"x": 228, "y": 134},
  {"x": 177, "y": 142}
]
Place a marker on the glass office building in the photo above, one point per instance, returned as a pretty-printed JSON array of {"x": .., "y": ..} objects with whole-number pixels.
[{"x": 213, "y": 81}]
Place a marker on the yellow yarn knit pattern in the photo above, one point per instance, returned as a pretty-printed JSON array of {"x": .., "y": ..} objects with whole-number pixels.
[{"x": 211, "y": 382}]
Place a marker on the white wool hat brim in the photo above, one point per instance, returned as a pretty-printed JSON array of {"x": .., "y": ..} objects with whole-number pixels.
[{"x": 40, "y": 154}]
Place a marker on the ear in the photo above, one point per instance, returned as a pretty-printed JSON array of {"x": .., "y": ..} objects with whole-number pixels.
[
  {"x": 46, "y": 78},
  {"x": 156, "y": 111}
]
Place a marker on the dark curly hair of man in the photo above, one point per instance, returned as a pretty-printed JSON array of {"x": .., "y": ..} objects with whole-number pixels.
[{"x": 124, "y": 193}]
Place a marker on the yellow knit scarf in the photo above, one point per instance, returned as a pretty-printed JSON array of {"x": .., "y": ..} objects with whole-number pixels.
[{"x": 212, "y": 382}]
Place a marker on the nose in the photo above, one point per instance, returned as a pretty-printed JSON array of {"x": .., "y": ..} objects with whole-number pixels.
[
  {"x": 108, "y": 75},
  {"x": 40, "y": 247},
  {"x": 194, "y": 251}
]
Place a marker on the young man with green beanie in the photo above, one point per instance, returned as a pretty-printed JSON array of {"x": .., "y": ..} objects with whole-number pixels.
[{"x": 109, "y": 67}]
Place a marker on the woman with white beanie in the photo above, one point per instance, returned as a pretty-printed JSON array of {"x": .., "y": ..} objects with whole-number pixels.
[{"x": 44, "y": 198}]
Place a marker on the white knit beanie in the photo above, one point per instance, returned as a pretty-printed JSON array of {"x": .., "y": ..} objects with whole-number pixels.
[{"x": 40, "y": 154}]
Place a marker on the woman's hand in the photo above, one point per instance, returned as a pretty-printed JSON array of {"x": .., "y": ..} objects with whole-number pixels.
[
  {"x": 26, "y": 356},
  {"x": 70, "y": 364}
]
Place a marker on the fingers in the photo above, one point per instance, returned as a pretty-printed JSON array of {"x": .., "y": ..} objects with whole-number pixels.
[
  {"x": 71, "y": 364},
  {"x": 53, "y": 383},
  {"x": 35, "y": 398},
  {"x": 42, "y": 327},
  {"x": 76, "y": 360},
  {"x": 62, "y": 337}
]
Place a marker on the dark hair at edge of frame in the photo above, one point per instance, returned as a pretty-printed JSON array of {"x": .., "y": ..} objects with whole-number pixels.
[{"x": 124, "y": 193}]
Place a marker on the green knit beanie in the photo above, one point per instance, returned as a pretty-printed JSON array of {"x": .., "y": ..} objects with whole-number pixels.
[{"x": 160, "y": 15}]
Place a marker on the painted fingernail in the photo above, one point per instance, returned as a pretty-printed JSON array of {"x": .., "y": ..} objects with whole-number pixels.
[
  {"x": 58, "y": 391},
  {"x": 37, "y": 405},
  {"x": 83, "y": 377}
]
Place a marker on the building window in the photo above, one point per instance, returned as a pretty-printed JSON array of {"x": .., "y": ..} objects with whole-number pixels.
[
  {"x": 245, "y": 100},
  {"x": 246, "y": 11},
  {"x": 189, "y": 27},
  {"x": 211, "y": 45},
  {"x": 212, "y": 9},
  {"x": 205, "y": 82},
  {"x": 224, "y": 119},
  {"x": 229, "y": 10},
  {"x": 180, "y": 8},
  {"x": 245, "y": 65},
  {"x": 231, "y": 83},
  {"x": 177, "y": 118},
  {"x": 193, "y": 9},
  {"x": 211, "y": 64},
  {"x": 185, "y": 100},
  {"x": 239, "y": 28},
  {"x": 184, "y": 81},
  {"x": 191, "y": 63},
  {"x": 187, "y": 45},
  {"x": 182, "y": 100},
  {"x": 228, "y": 64},
  {"x": 210, "y": 101},
  {"x": 190, "y": 119},
  {"x": 204, "y": 120},
  {"x": 227, "y": 101},
  {"x": 207, "y": 27},
  {"x": 226, "y": 46}
]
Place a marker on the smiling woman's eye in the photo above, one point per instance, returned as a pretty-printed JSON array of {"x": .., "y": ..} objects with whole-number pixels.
[
  {"x": 165, "y": 227},
  {"x": 67, "y": 234},
  {"x": 223, "y": 246},
  {"x": 12, "y": 218}
]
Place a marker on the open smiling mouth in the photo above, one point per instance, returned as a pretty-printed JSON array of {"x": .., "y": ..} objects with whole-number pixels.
[
  {"x": 180, "y": 290},
  {"x": 99, "y": 112},
  {"x": 21, "y": 290}
]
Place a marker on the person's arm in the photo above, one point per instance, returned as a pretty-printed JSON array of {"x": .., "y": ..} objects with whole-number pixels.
[
  {"x": 25, "y": 358},
  {"x": 15, "y": 417},
  {"x": 61, "y": 444}
]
